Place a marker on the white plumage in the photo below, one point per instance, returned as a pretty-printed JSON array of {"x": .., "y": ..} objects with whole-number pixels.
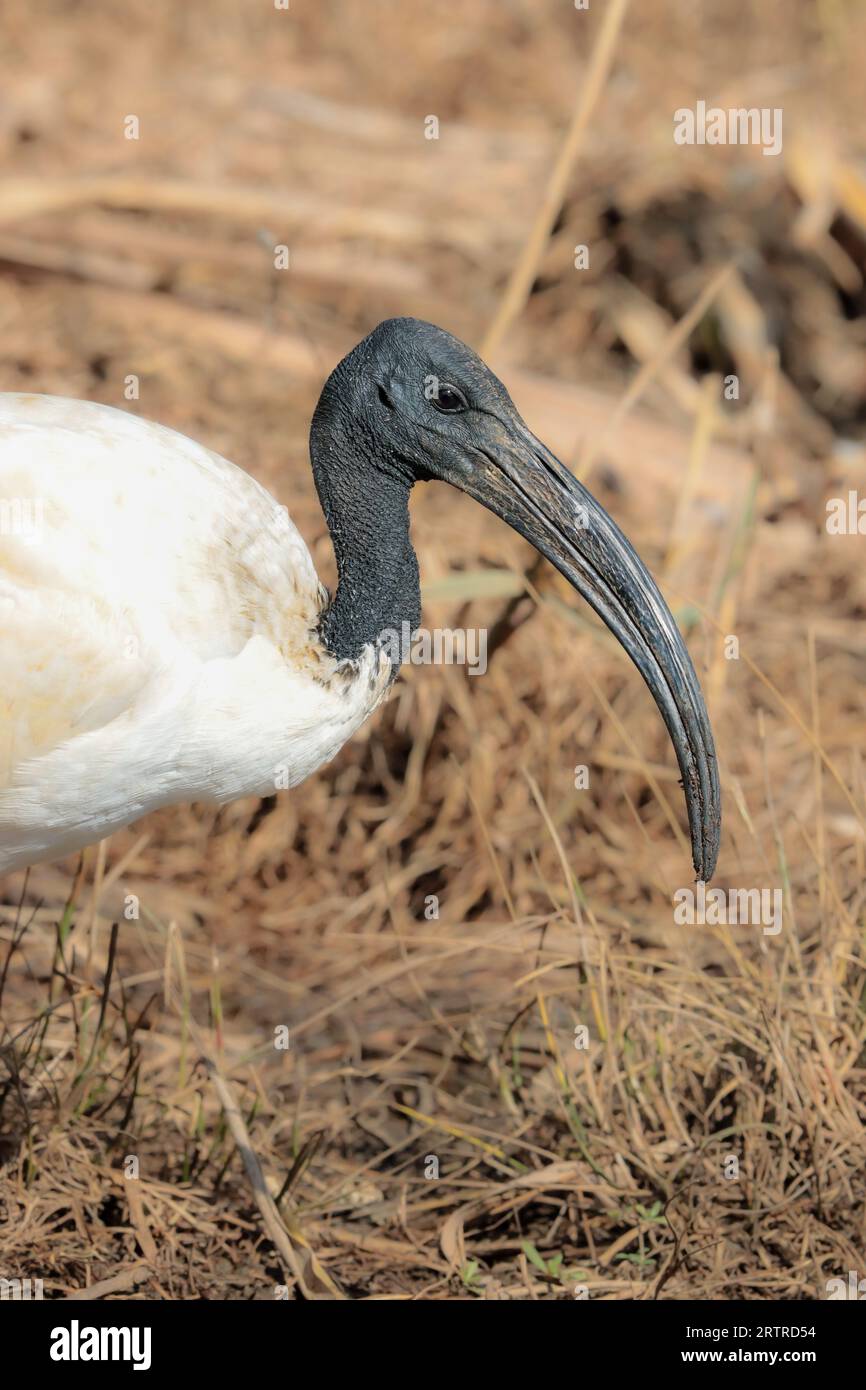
[{"x": 158, "y": 615}]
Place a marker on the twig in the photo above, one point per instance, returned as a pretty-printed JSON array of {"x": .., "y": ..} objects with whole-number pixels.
[
  {"x": 136, "y": 1274},
  {"x": 264, "y": 1201},
  {"x": 521, "y": 278}
]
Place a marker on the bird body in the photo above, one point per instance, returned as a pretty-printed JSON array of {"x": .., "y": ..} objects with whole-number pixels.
[
  {"x": 158, "y": 630},
  {"x": 164, "y": 636}
]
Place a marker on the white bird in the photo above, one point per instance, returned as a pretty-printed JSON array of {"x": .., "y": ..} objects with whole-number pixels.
[{"x": 164, "y": 636}]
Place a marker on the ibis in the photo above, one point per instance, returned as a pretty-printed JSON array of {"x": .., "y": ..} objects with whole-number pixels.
[{"x": 164, "y": 636}]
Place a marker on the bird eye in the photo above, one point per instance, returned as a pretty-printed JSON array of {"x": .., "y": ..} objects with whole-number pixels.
[{"x": 448, "y": 399}]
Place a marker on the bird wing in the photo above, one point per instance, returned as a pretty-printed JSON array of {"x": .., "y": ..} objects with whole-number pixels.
[{"x": 127, "y": 550}]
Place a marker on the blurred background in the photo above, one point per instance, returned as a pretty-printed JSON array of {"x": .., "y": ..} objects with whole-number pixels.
[{"x": 437, "y": 915}]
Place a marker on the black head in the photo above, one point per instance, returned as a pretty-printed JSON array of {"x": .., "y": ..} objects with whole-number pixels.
[
  {"x": 412, "y": 396},
  {"x": 412, "y": 403}
]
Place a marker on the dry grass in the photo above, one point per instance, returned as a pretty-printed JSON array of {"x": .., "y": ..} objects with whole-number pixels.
[{"x": 413, "y": 1037}]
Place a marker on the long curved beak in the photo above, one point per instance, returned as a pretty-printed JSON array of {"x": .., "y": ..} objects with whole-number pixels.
[{"x": 527, "y": 486}]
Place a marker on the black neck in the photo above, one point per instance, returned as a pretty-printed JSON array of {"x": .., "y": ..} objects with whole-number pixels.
[{"x": 367, "y": 511}]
